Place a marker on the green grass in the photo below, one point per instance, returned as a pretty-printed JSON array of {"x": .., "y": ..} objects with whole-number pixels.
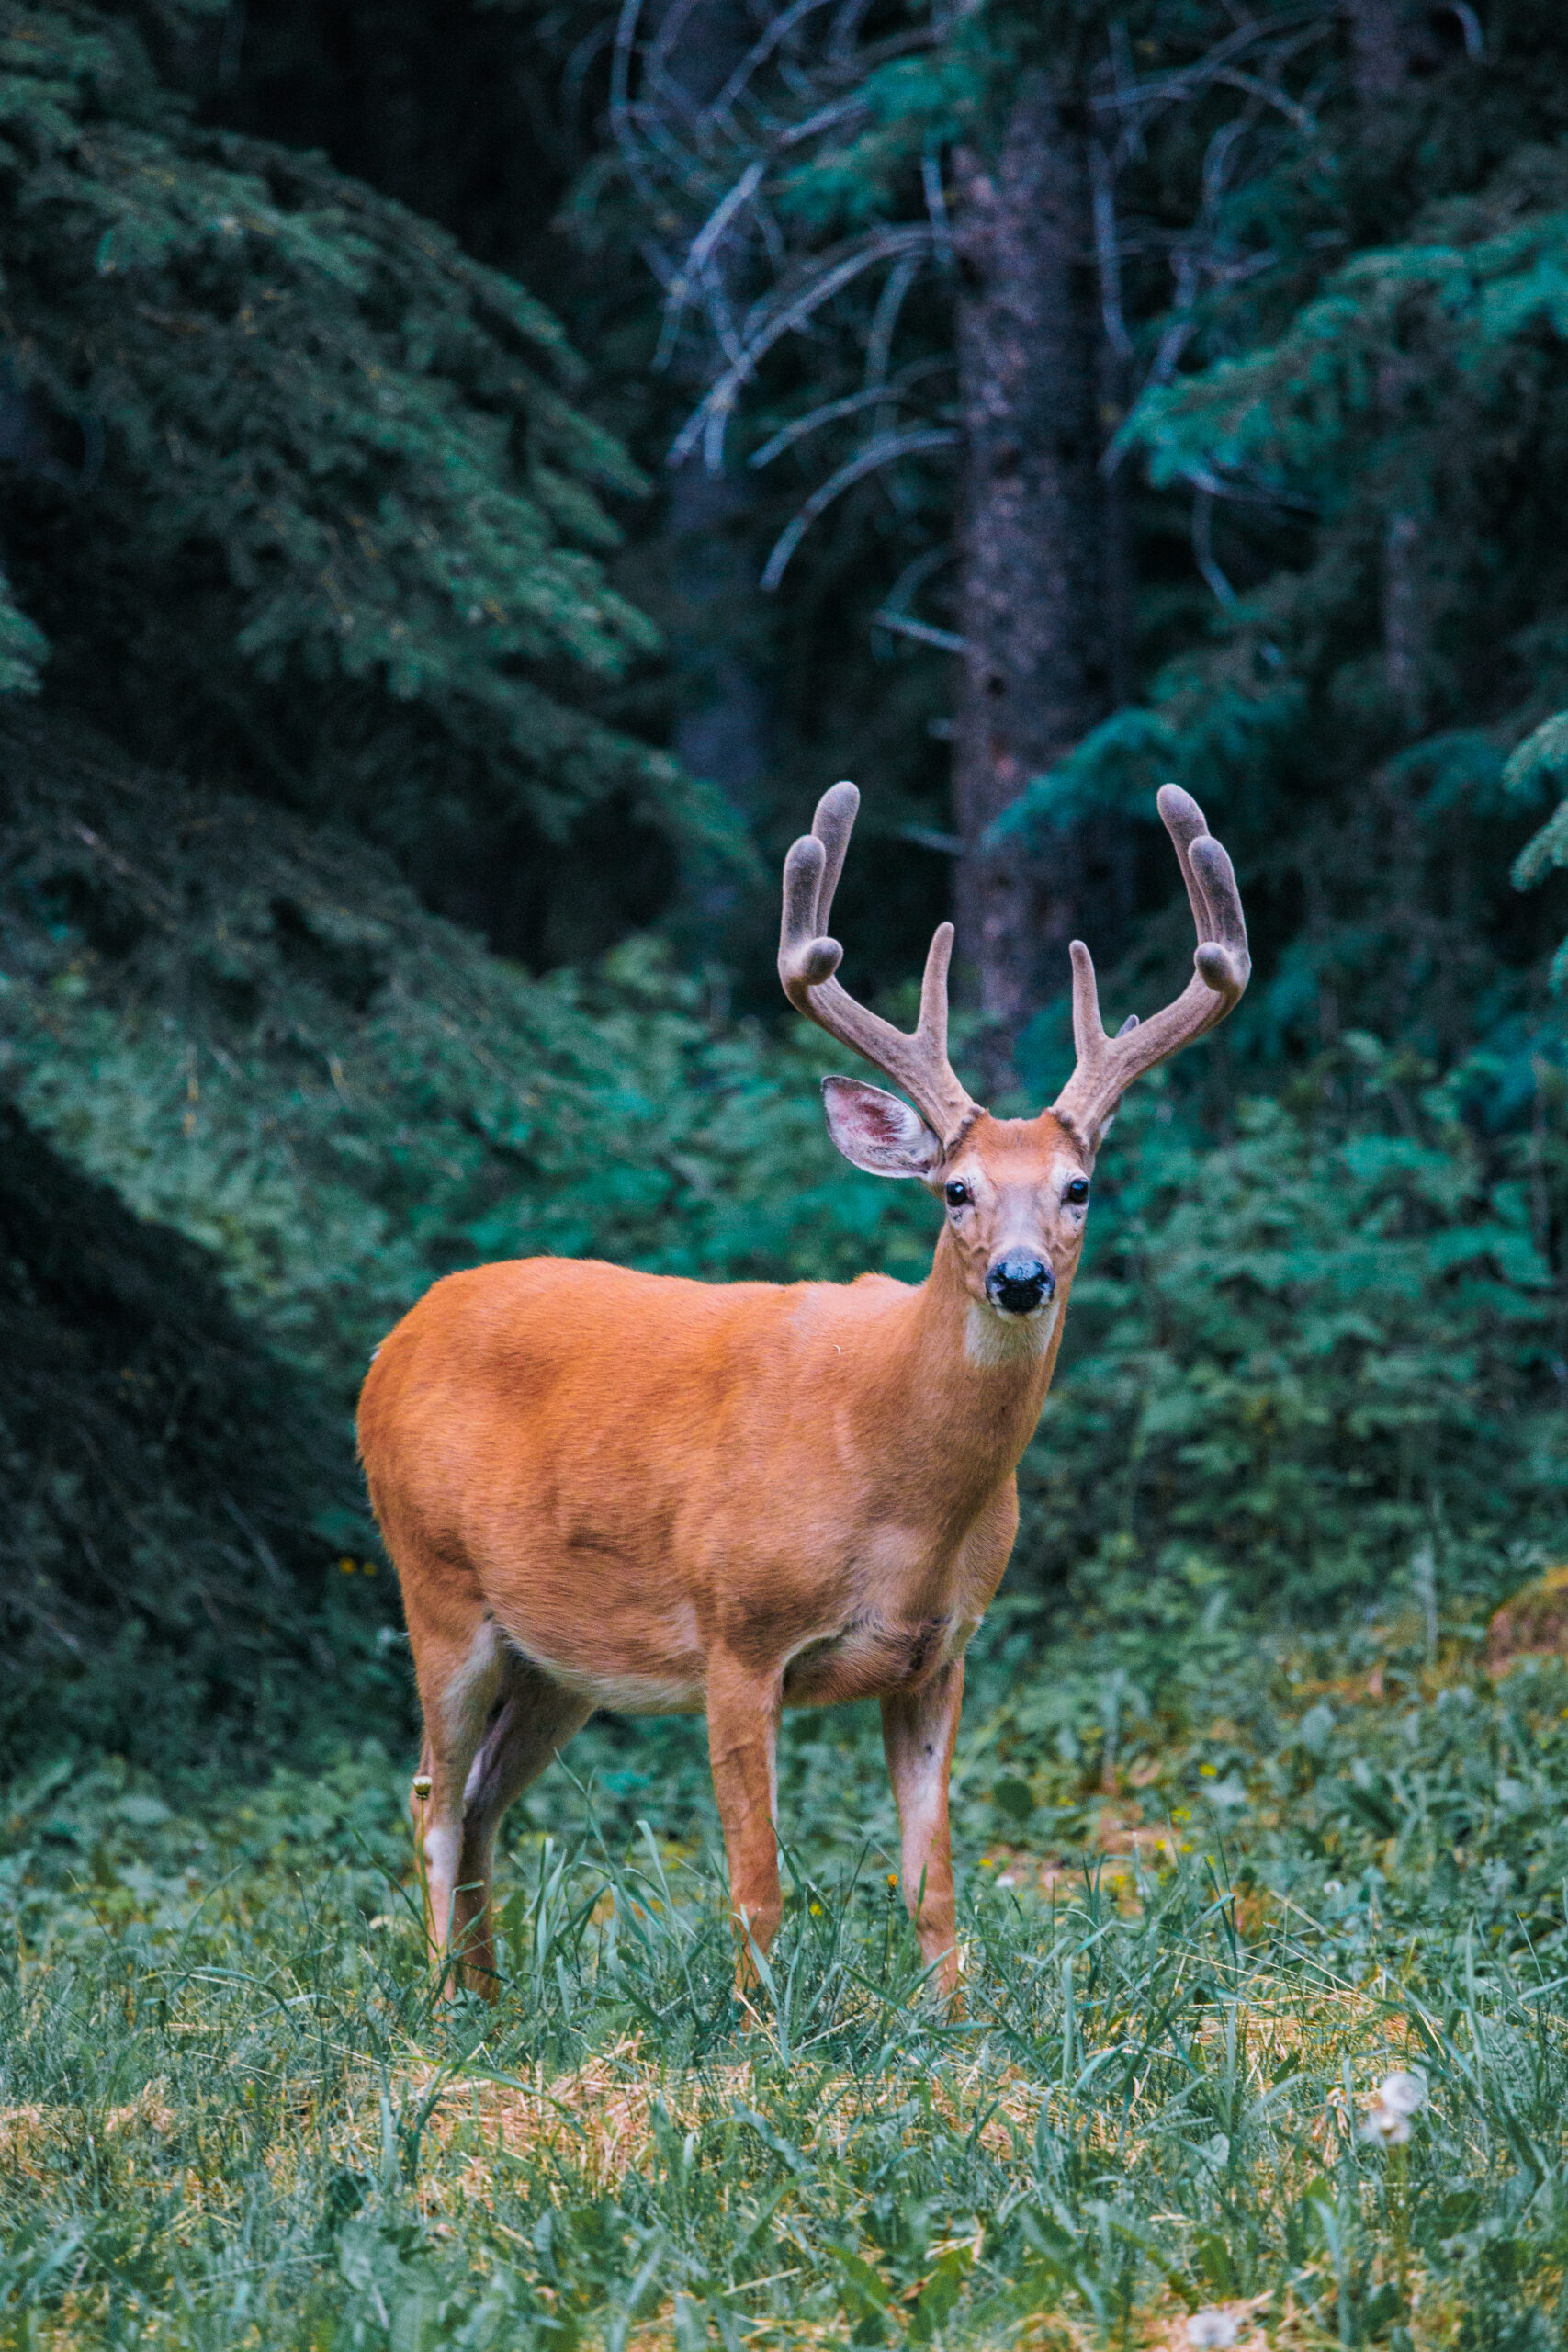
[{"x": 231, "y": 2113}]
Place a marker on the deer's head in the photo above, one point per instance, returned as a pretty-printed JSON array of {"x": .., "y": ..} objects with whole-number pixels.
[{"x": 1015, "y": 1192}]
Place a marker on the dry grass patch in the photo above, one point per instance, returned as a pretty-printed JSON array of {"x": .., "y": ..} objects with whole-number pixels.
[
  {"x": 599, "y": 2114},
  {"x": 23, "y": 2131}
]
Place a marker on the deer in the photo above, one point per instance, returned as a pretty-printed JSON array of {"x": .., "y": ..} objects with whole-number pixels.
[{"x": 606, "y": 1488}]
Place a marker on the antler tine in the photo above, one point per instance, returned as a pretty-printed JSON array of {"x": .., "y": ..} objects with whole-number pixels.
[
  {"x": 832, "y": 825},
  {"x": 1185, "y": 823},
  {"x": 808, "y": 959},
  {"x": 1106, "y": 1066},
  {"x": 1207, "y": 872}
]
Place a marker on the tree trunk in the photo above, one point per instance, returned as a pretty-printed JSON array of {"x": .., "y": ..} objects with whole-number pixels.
[
  {"x": 1379, "y": 34},
  {"x": 1033, "y": 543}
]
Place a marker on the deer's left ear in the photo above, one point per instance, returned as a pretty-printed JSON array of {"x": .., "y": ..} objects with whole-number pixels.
[{"x": 876, "y": 1132}]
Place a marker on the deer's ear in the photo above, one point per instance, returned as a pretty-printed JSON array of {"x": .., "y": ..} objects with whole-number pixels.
[{"x": 876, "y": 1131}]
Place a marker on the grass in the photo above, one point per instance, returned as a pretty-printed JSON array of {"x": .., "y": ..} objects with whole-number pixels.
[{"x": 1201, "y": 1928}]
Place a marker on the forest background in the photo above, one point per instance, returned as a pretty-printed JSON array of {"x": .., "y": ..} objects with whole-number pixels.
[{"x": 474, "y": 475}]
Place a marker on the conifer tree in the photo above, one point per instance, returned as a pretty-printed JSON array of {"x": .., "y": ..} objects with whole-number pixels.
[
  {"x": 305, "y": 550},
  {"x": 297, "y": 490}
]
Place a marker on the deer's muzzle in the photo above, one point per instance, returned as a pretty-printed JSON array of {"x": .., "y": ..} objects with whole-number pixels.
[{"x": 1018, "y": 1285}]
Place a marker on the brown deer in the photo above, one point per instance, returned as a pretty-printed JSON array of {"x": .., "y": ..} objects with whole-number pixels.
[{"x": 604, "y": 1488}]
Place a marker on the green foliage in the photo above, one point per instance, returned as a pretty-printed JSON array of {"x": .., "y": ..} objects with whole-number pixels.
[
  {"x": 1297, "y": 1361},
  {"x": 298, "y": 483},
  {"x": 170, "y": 1492},
  {"x": 1462, "y": 317},
  {"x": 23, "y": 648},
  {"x": 1538, "y": 761},
  {"x": 252, "y": 1029},
  {"x": 907, "y": 107},
  {"x": 231, "y": 2105}
]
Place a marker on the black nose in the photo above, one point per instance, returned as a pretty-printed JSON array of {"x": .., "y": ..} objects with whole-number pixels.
[{"x": 1019, "y": 1285}]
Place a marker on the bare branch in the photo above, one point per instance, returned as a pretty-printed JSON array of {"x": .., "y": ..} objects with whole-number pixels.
[
  {"x": 757, "y": 55},
  {"x": 574, "y": 73},
  {"x": 621, "y": 122},
  {"x": 662, "y": 266},
  {"x": 884, "y": 318},
  {"x": 880, "y": 452},
  {"x": 946, "y": 640},
  {"x": 846, "y": 25},
  {"x": 1108, "y": 255},
  {"x": 884, "y": 246},
  {"x": 1469, "y": 26},
  {"x": 936, "y": 206},
  {"x": 1271, "y": 95},
  {"x": 772, "y": 236},
  {"x": 895, "y": 615},
  {"x": 661, "y": 50},
  {"x": 1203, "y": 547},
  {"x": 703, "y": 247},
  {"x": 839, "y": 110},
  {"x": 695, "y": 179},
  {"x": 916, "y": 573},
  {"x": 1170, "y": 89},
  {"x": 1217, "y": 159},
  {"x": 1181, "y": 326},
  {"x": 831, "y": 411}
]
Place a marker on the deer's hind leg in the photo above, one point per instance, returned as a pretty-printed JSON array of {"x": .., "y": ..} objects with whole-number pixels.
[
  {"x": 461, "y": 1665},
  {"x": 529, "y": 1726},
  {"x": 493, "y": 1722}
]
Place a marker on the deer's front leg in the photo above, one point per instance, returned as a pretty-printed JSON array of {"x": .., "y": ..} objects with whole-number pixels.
[
  {"x": 918, "y": 1728},
  {"x": 743, "y": 1731}
]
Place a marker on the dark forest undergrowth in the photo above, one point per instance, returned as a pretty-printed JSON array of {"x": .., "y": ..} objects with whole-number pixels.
[{"x": 1203, "y": 1924}]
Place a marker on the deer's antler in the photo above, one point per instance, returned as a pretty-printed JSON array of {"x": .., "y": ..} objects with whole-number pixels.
[
  {"x": 808, "y": 959},
  {"x": 1106, "y": 1066}
]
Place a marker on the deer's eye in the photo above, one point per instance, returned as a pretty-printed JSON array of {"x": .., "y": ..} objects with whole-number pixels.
[
  {"x": 1078, "y": 1191},
  {"x": 956, "y": 1195}
]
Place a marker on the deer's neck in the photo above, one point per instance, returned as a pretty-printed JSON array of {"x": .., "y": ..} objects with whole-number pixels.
[{"x": 970, "y": 1383}]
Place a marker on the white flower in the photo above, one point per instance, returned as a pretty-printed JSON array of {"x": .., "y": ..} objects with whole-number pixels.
[
  {"x": 1405, "y": 2091},
  {"x": 1211, "y": 2331},
  {"x": 1385, "y": 2127},
  {"x": 1399, "y": 2096}
]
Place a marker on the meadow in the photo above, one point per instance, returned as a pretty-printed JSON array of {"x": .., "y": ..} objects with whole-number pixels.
[{"x": 1206, "y": 1915}]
